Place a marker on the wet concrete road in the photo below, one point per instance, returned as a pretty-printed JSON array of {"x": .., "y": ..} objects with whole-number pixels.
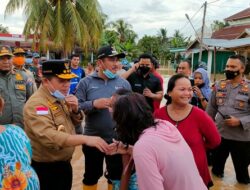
[{"x": 227, "y": 183}]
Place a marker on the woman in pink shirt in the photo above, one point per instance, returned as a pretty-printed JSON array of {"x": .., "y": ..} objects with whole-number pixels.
[
  {"x": 163, "y": 160},
  {"x": 196, "y": 127}
]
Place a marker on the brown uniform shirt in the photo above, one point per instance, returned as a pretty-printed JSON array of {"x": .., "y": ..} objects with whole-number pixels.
[{"x": 48, "y": 123}]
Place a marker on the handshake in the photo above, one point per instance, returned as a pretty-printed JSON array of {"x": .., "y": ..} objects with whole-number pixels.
[{"x": 116, "y": 147}]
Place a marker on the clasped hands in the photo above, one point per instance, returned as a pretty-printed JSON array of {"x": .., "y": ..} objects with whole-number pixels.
[{"x": 117, "y": 147}]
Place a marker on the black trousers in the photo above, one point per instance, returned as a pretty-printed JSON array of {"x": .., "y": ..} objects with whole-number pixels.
[
  {"x": 94, "y": 166},
  {"x": 240, "y": 153},
  {"x": 53, "y": 175}
]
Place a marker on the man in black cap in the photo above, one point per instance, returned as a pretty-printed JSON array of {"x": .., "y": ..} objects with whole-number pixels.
[
  {"x": 94, "y": 93},
  {"x": 50, "y": 116}
]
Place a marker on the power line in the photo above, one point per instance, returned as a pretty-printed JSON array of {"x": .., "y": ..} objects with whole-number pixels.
[
  {"x": 191, "y": 18},
  {"x": 213, "y": 2},
  {"x": 228, "y": 6}
]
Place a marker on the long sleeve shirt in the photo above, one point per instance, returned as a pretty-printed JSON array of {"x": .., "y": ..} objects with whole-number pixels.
[
  {"x": 164, "y": 161},
  {"x": 98, "y": 122}
]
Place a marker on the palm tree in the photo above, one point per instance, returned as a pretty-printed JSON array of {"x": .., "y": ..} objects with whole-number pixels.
[
  {"x": 4, "y": 29},
  {"x": 162, "y": 34},
  {"x": 66, "y": 23},
  {"x": 178, "y": 40},
  {"x": 123, "y": 28},
  {"x": 217, "y": 25}
]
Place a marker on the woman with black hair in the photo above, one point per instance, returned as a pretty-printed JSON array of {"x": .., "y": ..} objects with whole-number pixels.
[
  {"x": 197, "y": 128},
  {"x": 163, "y": 160}
]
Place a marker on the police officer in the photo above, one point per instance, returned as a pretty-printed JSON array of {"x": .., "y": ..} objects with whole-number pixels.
[
  {"x": 230, "y": 107},
  {"x": 14, "y": 88},
  {"x": 50, "y": 116},
  {"x": 19, "y": 62}
]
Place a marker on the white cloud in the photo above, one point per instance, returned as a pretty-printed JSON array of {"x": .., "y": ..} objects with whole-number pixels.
[{"x": 148, "y": 16}]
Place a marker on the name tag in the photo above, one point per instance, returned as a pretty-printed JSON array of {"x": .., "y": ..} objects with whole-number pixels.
[{"x": 139, "y": 85}]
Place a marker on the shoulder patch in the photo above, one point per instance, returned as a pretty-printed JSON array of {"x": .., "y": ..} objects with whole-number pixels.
[
  {"x": 18, "y": 76},
  {"x": 42, "y": 110}
]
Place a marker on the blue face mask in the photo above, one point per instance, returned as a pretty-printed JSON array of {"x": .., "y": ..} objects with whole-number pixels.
[
  {"x": 28, "y": 61},
  {"x": 57, "y": 94},
  {"x": 109, "y": 74}
]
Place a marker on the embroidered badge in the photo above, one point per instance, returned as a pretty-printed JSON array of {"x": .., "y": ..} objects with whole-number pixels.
[
  {"x": 219, "y": 94},
  {"x": 52, "y": 106},
  {"x": 220, "y": 100},
  {"x": 42, "y": 110},
  {"x": 19, "y": 76},
  {"x": 20, "y": 87},
  {"x": 245, "y": 88},
  {"x": 223, "y": 85},
  {"x": 241, "y": 104}
]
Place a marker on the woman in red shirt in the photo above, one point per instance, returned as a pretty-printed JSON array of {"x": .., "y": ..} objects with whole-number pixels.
[{"x": 197, "y": 128}]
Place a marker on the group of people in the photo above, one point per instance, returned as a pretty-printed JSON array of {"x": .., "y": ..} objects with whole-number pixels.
[{"x": 123, "y": 124}]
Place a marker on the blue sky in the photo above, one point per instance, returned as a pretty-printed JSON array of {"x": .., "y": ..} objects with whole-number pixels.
[{"x": 148, "y": 16}]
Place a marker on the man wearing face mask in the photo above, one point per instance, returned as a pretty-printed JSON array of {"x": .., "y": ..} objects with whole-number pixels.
[
  {"x": 94, "y": 93},
  {"x": 15, "y": 89},
  {"x": 229, "y": 106},
  {"x": 19, "y": 63},
  {"x": 50, "y": 116},
  {"x": 144, "y": 82}
]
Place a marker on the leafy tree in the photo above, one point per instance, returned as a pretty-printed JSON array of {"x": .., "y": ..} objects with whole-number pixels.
[
  {"x": 178, "y": 40},
  {"x": 149, "y": 44},
  {"x": 110, "y": 37},
  {"x": 121, "y": 35},
  {"x": 162, "y": 34},
  {"x": 163, "y": 46},
  {"x": 124, "y": 30},
  {"x": 217, "y": 25},
  {"x": 3, "y": 29},
  {"x": 66, "y": 23}
]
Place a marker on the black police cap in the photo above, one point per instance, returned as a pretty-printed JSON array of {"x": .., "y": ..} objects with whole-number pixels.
[
  {"x": 59, "y": 68},
  {"x": 108, "y": 51}
]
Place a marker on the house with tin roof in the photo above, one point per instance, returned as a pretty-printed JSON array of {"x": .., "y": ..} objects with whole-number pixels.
[
  {"x": 238, "y": 24},
  {"x": 229, "y": 40}
]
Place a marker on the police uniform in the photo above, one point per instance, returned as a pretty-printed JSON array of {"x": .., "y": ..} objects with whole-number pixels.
[
  {"x": 227, "y": 100},
  {"x": 24, "y": 71},
  {"x": 15, "y": 89},
  {"x": 48, "y": 123}
]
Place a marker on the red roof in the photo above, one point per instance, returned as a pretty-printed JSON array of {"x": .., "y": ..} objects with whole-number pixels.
[
  {"x": 229, "y": 32},
  {"x": 243, "y": 14}
]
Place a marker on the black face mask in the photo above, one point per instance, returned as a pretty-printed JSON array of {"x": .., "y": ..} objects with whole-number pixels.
[
  {"x": 231, "y": 74},
  {"x": 201, "y": 85},
  {"x": 143, "y": 70}
]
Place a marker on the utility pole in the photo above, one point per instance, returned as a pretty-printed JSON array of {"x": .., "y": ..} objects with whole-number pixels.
[
  {"x": 202, "y": 30},
  {"x": 196, "y": 34}
]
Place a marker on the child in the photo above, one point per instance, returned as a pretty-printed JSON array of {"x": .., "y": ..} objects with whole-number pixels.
[{"x": 201, "y": 88}]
